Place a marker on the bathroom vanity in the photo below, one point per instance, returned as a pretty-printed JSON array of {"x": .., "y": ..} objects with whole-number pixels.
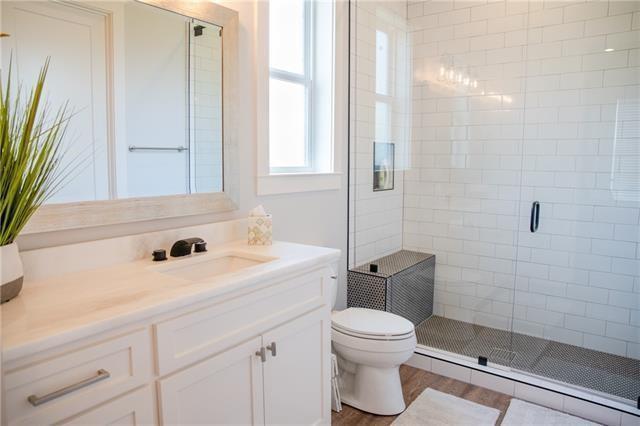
[
  {"x": 237, "y": 334},
  {"x": 244, "y": 339}
]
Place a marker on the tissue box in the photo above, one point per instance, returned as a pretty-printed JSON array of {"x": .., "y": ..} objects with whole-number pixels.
[{"x": 260, "y": 230}]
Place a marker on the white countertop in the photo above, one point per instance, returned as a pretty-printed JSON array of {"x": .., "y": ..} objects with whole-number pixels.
[{"x": 59, "y": 310}]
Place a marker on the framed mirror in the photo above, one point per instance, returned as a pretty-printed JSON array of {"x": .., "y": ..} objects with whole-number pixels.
[{"x": 149, "y": 85}]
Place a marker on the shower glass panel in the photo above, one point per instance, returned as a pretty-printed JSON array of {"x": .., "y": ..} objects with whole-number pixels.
[
  {"x": 456, "y": 121},
  {"x": 380, "y": 107},
  {"x": 577, "y": 294},
  {"x": 462, "y": 195}
]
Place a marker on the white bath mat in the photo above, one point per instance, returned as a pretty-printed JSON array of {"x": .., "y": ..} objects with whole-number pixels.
[
  {"x": 435, "y": 408},
  {"x": 524, "y": 413}
]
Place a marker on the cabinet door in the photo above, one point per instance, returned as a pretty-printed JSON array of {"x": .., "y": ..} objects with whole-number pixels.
[
  {"x": 134, "y": 409},
  {"x": 297, "y": 382},
  {"x": 224, "y": 389}
]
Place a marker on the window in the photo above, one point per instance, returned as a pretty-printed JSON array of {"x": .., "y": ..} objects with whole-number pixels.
[
  {"x": 302, "y": 68},
  {"x": 291, "y": 141},
  {"x": 384, "y": 98}
]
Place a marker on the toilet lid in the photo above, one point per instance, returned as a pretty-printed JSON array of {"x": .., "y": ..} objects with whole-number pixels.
[{"x": 371, "y": 322}]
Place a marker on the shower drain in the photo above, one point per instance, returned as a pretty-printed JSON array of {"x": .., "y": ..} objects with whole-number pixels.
[{"x": 501, "y": 356}]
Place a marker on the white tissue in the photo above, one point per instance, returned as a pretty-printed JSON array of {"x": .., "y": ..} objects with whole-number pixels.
[{"x": 258, "y": 211}]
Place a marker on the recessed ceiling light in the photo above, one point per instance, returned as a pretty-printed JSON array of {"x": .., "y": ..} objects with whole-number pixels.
[{"x": 609, "y": 50}]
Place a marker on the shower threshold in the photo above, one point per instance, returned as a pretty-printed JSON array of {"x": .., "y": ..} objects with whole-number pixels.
[{"x": 602, "y": 372}]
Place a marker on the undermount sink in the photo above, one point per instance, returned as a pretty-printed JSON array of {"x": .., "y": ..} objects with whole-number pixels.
[{"x": 199, "y": 267}]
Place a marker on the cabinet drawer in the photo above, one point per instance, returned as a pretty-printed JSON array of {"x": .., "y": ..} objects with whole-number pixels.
[
  {"x": 196, "y": 335},
  {"x": 135, "y": 409},
  {"x": 61, "y": 386}
]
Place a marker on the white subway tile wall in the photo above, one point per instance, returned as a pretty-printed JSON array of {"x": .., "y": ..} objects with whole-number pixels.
[{"x": 516, "y": 101}]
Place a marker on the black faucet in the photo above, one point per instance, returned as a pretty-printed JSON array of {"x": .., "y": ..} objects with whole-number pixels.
[{"x": 183, "y": 247}]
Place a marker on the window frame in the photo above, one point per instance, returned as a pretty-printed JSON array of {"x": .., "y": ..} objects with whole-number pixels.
[
  {"x": 330, "y": 103},
  {"x": 306, "y": 79}
]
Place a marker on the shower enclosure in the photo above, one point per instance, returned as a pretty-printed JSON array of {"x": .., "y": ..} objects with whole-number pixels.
[{"x": 515, "y": 128}]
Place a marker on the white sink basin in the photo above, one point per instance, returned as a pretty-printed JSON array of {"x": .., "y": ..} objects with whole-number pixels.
[{"x": 200, "y": 267}]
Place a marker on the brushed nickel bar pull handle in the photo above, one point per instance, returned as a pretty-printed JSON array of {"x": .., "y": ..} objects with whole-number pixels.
[
  {"x": 262, "y": 354},
  {"x": 157, "y": 148},
  {"x": 272, "y": 348},
  {"x": 38, "y": 400}
]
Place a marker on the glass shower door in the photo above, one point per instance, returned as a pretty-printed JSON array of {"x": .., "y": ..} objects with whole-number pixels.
[{"x": 577, "y": 295}]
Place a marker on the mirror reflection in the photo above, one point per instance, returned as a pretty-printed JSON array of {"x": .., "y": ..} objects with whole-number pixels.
[{"x": 144, "y": 86}]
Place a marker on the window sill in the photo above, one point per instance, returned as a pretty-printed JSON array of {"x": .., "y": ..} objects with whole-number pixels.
[{"x": 287, "y": 183}]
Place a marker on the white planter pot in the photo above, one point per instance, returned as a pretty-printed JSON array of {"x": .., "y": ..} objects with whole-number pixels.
[{"x": 11, "y": 272}]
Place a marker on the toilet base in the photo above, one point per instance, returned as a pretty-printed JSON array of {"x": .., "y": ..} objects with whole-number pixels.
[{"x": 374, "y": 390}]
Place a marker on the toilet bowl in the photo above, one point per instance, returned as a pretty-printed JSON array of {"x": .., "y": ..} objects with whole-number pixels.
[{"x": 370, "y": 346}]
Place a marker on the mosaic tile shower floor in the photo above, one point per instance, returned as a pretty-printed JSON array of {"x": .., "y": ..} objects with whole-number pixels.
[{"x": 600, "y": 371}]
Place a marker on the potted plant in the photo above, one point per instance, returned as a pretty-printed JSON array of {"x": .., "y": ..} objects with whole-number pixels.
[{"x": 30, "y": 172}]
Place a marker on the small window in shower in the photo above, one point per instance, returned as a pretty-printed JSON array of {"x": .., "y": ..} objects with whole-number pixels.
[
  {"x": 625, "y": 167},
  {"x": 382, "y": 63}
]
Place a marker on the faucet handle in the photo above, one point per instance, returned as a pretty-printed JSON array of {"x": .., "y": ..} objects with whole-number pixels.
[{"x": 159, "y": 255}]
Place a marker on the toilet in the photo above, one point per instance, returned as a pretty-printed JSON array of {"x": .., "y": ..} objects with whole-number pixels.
[{"x": 370, "y": 346}]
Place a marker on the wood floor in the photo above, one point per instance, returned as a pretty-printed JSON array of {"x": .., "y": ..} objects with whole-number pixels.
[{"x": 414, "y": 381}]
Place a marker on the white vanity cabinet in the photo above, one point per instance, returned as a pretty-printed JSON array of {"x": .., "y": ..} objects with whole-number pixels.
[
  {"x": 259, "y": 355},
  {"x": 281, "y": 377}
]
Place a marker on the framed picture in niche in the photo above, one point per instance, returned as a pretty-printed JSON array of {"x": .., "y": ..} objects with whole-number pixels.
[{"x": 383, "y": 166}]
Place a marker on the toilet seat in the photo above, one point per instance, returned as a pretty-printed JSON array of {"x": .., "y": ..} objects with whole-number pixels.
[
  {"x": 373, "y": 336},
  {"x": 372, "y": 324},
  {"x": 377, "y": 346}
]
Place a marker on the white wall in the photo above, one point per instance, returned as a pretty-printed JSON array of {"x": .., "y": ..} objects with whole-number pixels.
[
  {"x": 545, "y": 115},
  {"x": 311, "y": 218}
]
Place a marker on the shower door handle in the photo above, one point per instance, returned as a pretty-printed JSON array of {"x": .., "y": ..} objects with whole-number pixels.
[{"x": 534, "y": 221}]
